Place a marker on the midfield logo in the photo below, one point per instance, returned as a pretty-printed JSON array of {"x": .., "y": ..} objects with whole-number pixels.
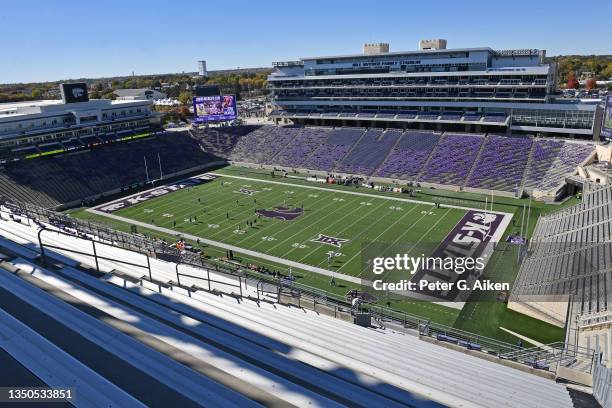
[
  {"x": 324, "y": 239},
  {"x": 282, "y": 213}
]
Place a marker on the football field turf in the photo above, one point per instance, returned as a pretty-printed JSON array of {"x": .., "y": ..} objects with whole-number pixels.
[
  {"x": 358, "y": 215},
  {"x": 315, "y": 222}
]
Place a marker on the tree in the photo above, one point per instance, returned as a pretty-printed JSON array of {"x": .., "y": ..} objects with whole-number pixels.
[
  {"x": 185, "y": 98},
  {"x": 572, "y": 82},
  {"x": 36, "y": 94},
  {"x": 607, "y": 72},
  {"x": 591, "y": 83}
]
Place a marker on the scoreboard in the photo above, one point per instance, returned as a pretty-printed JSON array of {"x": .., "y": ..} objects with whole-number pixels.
[{"x": 215, "y": 108}]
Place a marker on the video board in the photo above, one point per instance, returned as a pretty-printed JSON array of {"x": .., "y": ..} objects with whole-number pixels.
[{"x": 214, "y": 108}]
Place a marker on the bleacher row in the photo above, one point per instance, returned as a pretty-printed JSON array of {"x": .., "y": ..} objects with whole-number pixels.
[
  {"x": 54, "y": 180},
  {"x": 570, "y": 254},
  {"x": 122, "y": 340},
  {"x": 490, "y": 162},
  {"x": 596, "y": 207},
  {"x": 554, "y": 159}
]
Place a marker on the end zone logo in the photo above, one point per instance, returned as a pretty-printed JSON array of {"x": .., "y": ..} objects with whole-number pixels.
[
  {"x": 324, "y": 239},
  {"x": 157, "y": 192}
]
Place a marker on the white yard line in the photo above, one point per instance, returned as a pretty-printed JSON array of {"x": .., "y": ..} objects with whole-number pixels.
[
  {"x": 341, "y": 232},
  {"x": 299, "y": 230},
  {"x": 412, "y": 226},
  {"x": 355, "y": 193},
  {"x": 496, "y": 237},
  {"x": 407, "y": 200},
  {"x": 244, "y": 251}
]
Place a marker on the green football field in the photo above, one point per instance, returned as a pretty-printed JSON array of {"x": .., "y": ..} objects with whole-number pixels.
[{"x": 223, "y": 210}]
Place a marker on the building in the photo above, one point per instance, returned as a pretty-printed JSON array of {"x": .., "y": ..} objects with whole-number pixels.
[
  {"x": 437, "y": 44},
  {"x": 39, "y": 126},
  {"x": 376, "y": 48},
  {"x": 139, "y": 94},
  {"x": 468, "y": 89},
  {"x": 202, "y": 68}
]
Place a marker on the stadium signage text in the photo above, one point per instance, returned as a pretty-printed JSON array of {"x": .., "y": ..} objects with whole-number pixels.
[{"x": 158, "y": 192}]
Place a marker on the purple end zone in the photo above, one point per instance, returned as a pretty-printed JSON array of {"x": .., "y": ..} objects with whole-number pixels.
[
  {"x": 469, "y": 238},
  {"x": 282, "y": 213},
  {"x": 157, "y": 192}
]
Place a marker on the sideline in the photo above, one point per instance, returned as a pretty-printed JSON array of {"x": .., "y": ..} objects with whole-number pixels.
[{"x": 407, "y": 200}]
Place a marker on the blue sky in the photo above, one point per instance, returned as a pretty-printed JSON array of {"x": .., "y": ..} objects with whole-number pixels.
[{"x": 53, "y": 40}]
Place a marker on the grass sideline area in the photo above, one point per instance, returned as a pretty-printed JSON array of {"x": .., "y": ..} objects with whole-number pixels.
[{"x": 222, "y": 208}]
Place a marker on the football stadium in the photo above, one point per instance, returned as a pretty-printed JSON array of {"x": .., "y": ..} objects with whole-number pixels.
[{"x": 422, "y": 228}]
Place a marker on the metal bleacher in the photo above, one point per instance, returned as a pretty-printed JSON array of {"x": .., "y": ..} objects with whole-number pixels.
[
  {"x": 570, "y": 254},
  {"x": 135, "y": 342}
]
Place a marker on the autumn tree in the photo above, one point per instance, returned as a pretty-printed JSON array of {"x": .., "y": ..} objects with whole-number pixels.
[
  {"x": 590, "y": 83},
  {"x": 572, "y": 82}
]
